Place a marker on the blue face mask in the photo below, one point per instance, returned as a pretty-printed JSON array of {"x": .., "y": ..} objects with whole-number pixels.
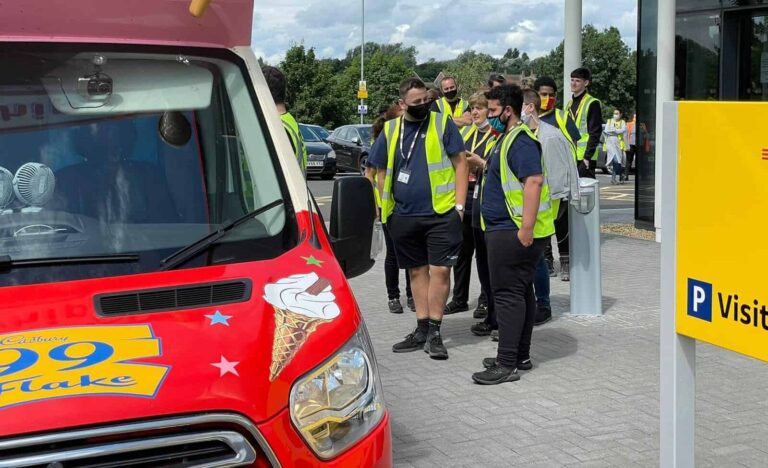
[{"x": 497, "y": 124}]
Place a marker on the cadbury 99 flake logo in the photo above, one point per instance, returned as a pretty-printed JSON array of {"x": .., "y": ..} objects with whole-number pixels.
[{"x": 63, "y": 362}]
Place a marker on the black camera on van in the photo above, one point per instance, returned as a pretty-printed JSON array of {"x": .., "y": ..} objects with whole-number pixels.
[{"x": 98, "y": 85}]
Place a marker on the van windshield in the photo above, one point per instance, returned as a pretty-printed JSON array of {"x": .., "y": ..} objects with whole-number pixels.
[{"x": 122, "y": 159}]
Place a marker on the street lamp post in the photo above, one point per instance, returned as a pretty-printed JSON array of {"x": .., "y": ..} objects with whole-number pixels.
[{"x": 362, "y": 57}]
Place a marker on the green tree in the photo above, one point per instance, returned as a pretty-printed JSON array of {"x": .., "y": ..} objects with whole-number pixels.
[{"x": 471, "y": 70}]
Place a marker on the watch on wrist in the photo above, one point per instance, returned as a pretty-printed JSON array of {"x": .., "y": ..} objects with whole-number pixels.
[{"x": 459, "y": 207}]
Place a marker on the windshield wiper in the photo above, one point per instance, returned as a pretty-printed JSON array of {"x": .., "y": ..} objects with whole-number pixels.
[
  {"x": 192, "y": 250},
  {"x": 7, "y": 263}
]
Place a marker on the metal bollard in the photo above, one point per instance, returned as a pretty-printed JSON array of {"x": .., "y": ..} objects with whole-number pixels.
[{"x": 584, "y": 238}]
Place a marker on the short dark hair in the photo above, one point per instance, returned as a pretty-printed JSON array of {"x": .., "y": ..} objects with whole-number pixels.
[
  {"x": 276, "y": 82},
  {"x": 496, "y": 78},
  {"x": 582, "y": 73},
  {"x": 409, "y": 84},
  {"x": 507, "y": 95},
  {"x": 532, "y": 96},
  {"x": 544, "y": 81}
]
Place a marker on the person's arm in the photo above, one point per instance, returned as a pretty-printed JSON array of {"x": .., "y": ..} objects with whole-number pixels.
[
  {"x": 381, "y": 173},
  {"x": 531, "y": 198},
  {"x": 594, "y": 128},
  {"x": 461, "y": 167}
]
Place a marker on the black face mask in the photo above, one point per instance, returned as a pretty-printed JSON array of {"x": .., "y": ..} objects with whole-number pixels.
[
  {"x": 419, "y": 112},
  {"x": 451, "y": 95}
]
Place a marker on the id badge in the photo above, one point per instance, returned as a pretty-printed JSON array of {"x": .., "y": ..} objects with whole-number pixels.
[
  {"x": 403, "y": 176},
  {"x": 476, "y": 193}
]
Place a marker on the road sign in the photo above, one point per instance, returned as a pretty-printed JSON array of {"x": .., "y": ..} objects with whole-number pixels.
[
  {"x": 721, "y": 249},
  {"x": 362, "y": 109},
  {"x": 362, "y": 94},
  {"x": 362, "y": 86}
]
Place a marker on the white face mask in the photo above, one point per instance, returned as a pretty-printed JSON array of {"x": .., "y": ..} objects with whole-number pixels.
[
  {"x": 525, "y": 117},
  {"x": 616, "y": 116},
  {"x": 484, "y": 125}
]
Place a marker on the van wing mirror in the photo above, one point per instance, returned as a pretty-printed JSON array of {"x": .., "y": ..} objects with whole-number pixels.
[{"x": 353, "y": 212}]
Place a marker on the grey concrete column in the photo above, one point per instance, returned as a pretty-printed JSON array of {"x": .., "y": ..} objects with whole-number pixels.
[{"x": 572, "y": 46}]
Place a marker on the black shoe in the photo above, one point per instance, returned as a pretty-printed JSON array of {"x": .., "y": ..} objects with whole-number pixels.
[
  {"x": 495, "y": 335},
  {"x": 521, "y": 365},
  {"x": 395, "y": 307},
  {"x": 412, "y": 342},
  {"x": 565, "y": 273},
  {"x": 496, "y": 375},
  {"x": 411, "y": 304},
  {"x": 435, "y": 347},
  {"x": 481, "y": 329},
  {"x": 543, "y": 314},
  {"x": 454, "y": 307},
  {"x": 481, "y": 311}
]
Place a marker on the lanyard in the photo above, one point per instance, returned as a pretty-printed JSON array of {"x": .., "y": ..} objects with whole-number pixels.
[
  {"x": 407, "y": 157},
  {"x": 475, "y": 145}
]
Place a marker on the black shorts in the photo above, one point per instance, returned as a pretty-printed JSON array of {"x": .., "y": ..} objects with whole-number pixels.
[{"x": 426, "y": 240}]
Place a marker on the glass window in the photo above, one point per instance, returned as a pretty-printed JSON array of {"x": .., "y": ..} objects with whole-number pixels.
[
  {"x": 754, "y": 81},
  {"x": 687, "y": 5},
  {"x": 365, "y": 133},
  {"x": 697, "y": 57},
  {"x": 116, "y": 166},
  {"x": 307, "y": 134},
  {"x": 346, "y": 133},
  {"x": 320, "y": 131}
]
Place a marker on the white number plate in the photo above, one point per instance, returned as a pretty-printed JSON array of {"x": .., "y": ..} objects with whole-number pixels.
[{"x": 315, "y": 163}]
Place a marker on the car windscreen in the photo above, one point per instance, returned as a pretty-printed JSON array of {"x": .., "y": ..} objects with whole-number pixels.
[
  {"x": 122, "y": 159},
  {"x": 307, "y": 134},
  {"x": 365, "y": 133},
  {"x": 320, "y": 131}
]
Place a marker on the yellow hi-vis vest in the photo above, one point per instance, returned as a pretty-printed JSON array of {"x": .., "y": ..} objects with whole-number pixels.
[
  {"x": 458, "y": 111},
  {"x": 442, "y": 175},
  {"x": 581, "y": 122},
  {"x": 513, "y": 190},
  {"x": 292, "y": 127},
  {"x": 562, "y": 122}
]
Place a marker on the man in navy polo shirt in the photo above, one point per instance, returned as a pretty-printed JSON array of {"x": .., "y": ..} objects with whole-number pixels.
[{"x": 422, "y": 176}]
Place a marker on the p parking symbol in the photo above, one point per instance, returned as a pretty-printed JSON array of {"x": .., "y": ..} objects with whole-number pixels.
[{"x": 700, "y": 299}]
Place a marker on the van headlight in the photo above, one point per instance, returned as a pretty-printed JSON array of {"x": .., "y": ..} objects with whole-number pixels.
[
  {"x": 331, "y": 155},
  {"x": 341, "y": 401}
]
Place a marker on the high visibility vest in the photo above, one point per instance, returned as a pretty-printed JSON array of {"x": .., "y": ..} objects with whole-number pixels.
[
  {"x": 614, "y": 124},
  {"x": 581, "y": 122},
  {"x": 442, "y": 175},
  {"x": 513, "y": 190},
  {"x": 468, "y": 131},
  {"x": 292, "y": 127},
  {"x": 458, "y": 111}
]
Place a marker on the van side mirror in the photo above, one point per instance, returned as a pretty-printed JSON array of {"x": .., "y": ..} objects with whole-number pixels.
[{"x": 353, "y": 211}]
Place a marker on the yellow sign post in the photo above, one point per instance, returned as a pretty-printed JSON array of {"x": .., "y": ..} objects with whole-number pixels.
[
  {"x": 722, "y": 251},
  {"x": 713, "y": 288}
]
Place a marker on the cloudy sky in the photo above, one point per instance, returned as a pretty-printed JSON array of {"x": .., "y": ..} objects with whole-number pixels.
[{"x": 439, "y": 29}]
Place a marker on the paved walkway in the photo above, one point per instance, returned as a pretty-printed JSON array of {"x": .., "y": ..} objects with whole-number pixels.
[{"x": 592, "y": 397}]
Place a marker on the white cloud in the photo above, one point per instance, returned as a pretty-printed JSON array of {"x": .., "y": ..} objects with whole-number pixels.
[{"x": 440, "y": 29}]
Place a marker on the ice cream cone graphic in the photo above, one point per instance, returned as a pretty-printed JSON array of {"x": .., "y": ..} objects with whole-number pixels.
[{"x": 301, "y": 303}]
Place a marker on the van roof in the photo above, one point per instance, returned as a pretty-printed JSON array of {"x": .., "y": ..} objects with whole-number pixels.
[{"x": 226, "y": 23}]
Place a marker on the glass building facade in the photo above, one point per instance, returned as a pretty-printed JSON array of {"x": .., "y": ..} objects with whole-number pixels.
[{"x": 721, "y": 53}]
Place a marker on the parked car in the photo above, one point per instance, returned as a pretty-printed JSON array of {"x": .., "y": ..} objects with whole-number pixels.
[
  {"x": 321, "y": 159},
  {"x": 352, "y": 144}
]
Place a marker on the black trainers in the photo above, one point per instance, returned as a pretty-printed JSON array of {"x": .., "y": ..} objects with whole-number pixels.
[
  {"x": 565, "y": 270},
  {"x": 495, "y": 335},
  {"x": 435, "y": 347},
  {"x": 394, "y": 306},
  {"x": 521, "y": 365},
  {"x": 481, "y": 311},
  {"x": 496, "y": 375},
  {"x": 411, "y": 304},
  {"x": 454, "y": 307},
  {"x": 412, "y": 342},
  {"x": 551, "y": 267},
  {"x": 543, "y": 314},
  {"x": 481, "y": 329}
]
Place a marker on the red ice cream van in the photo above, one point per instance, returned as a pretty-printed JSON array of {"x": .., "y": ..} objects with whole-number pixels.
[{"x": 169, "y": 294}]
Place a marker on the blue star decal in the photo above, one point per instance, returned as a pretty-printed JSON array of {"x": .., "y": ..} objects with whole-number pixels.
[{"x": 219, "y": 318}]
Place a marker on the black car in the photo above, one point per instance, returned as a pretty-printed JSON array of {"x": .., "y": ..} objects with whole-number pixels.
[
  {"x": 321, "y": 159},
  {"x": 352, "y": 144}
]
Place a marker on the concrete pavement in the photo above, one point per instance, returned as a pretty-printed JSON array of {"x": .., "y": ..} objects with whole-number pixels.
[{"x": 591, "y": 399}]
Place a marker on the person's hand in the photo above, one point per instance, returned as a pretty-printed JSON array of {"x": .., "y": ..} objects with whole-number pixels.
[
  {"x": 525, "y": 236},
  {"x": 586, "y": 163},
  {"x": 475, "y": 161}
]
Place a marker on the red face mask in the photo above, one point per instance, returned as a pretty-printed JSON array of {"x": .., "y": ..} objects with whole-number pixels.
[{"x": 548, "y": 103}]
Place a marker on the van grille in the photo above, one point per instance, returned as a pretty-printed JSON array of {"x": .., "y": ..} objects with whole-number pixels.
[
  {"x": 169, "y": 443},
  {"x": 174, "y": 298}
]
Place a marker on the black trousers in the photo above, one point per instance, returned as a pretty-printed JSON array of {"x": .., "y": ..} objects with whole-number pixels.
[
  {"x": 512, "y": 268},
  {"x": 561, "y": 234},
  {"x": 484, "y": 276},
  {"x": 631, "y": 152},
  {"x": 392, "y": 271},
  {"x": 462, "y": 272}
]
